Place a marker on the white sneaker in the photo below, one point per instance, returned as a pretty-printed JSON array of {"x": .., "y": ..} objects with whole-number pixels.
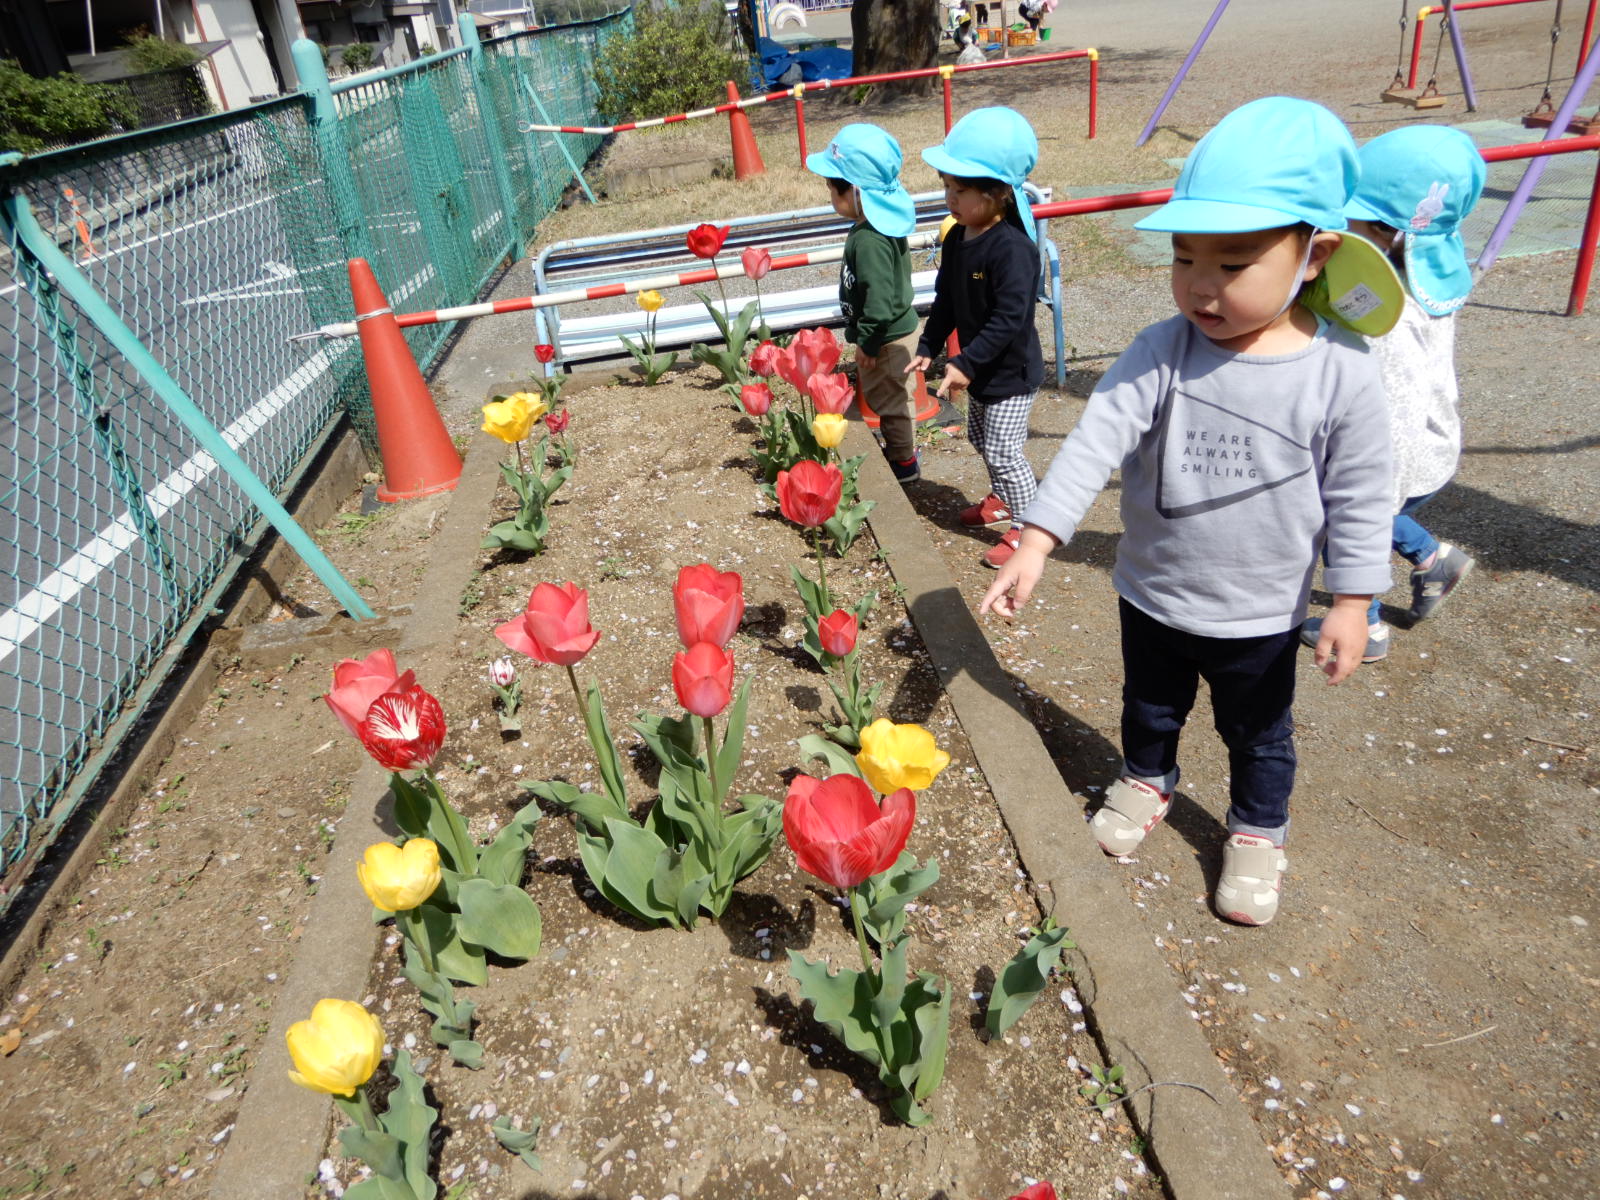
[
  {"x": 1132, "y": 809},
  {"x": 1252, "y": 872}
]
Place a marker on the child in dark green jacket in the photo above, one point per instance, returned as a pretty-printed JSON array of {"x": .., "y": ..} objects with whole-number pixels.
[{"x": 862, "y": 167}]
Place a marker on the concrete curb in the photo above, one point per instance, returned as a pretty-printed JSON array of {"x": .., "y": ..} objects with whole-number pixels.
[
  {"x": 1204, "y": 1149},
  {"x": 281, "y": 1130}
]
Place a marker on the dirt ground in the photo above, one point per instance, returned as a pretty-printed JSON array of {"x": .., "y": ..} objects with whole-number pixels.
[{"x": 1418, "y": 1023}]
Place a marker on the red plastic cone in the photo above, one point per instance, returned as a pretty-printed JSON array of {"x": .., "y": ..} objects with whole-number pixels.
[
  {"x": 746, "y": 154},
  {"x": 927, "y": 404},
  {"x": 418, "y": 457}
]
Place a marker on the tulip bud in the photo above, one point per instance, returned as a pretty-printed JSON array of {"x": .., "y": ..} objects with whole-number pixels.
[
  {"x": 337, "y": 1050},
  {"x": 502, "y": 672},
  {"x": 829, "y": 429},
  {"x": 837, "y": 632}
]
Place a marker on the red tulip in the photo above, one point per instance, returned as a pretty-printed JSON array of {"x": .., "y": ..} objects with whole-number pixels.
[
  {"x": 756, "y": 398},
  {"x": 837, "y": 632},
  {"x": 764, "y": 359},
  {"x": 808, "y": 493},
  {"x": 783, "y": 362},
  {"x": 702, "y": 676},
  {"x": 830, "y": 392},
  {"x": 837, "y": 831},
  {"x": 1039, "y": 1191},
  {"x": 814, "y": 350},
  {"x": 357, "y": 682},
  {"x": 557, "y": 422},
  {"x": 403, "y": 729},
  {"x": 554, "y": 628},
  {"x": 544, "y": 353},
  {"x": 756, "y": 261},
  {"x": 709, "y": 604},
  {"x": 704, "y": 241}
]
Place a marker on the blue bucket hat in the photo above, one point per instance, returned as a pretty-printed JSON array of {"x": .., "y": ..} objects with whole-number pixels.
[
  {"x": 869, "y": 159},
  {"x": 990, "y": 143},
  {"x": 1280, "y": 161},
  {"x": 1423, "y": 180}
]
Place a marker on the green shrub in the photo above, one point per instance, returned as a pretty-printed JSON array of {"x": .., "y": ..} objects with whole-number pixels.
[
  {"x": 677, "y": 58},
  {"x": 35, "y": 112},
  {"x": 147, "y": 52},
  {"x": 356, "y": 57}
]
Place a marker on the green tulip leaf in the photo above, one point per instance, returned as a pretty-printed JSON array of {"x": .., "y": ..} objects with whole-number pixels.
[
  {"x": 732, "y": 749},
  {"x": 889, "y": 892},
  {"x": 680, "y": 886},
  {"x": 380, "y": 1188},
  {"x": 506, "y": 856},
  {"x": 842, "y": 1002},
  {"x": 814, "y": 597},
  {"x": 409, "y": 1119},
  {"x": 454, "y": 958},
  {"x": 446, "y": 827},
  {"x": 380, "y": 1151},
  {"x": 466, "y": 1053},
  {"x": 1024, "y": 977},
  {"x": 591, "y": 808},
  {"x": 520, "y": 1142},
  {"x": 677, "y": 819},
  {"x": 928, "y": 1005},
  {"x": 621, "y": 865},
  {"x": 840, "y": 761},
  {"x": 604, "y": 745},
  {"x": 499, "y": 917},
  {"x": 749, "y": 836}
]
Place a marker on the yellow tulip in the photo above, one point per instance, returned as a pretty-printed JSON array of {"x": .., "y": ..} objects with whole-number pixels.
[
  {"x": 397, "y": 878},
  {"x": 510, "y": 418},
  {"x": 828, "y": 429},
  {"x": 899, "y": 756},
  {"x": 651, "y": 301},
  {"x": 337, "y": 1050}
]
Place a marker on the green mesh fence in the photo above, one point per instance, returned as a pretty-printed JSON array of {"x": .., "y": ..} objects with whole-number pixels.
[{"x": 212, "y": 241}]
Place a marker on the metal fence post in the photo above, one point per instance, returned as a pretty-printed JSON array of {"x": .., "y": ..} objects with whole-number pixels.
[
  {"x": 331, "y": 147},
  {"x": 492, "y": 117}
]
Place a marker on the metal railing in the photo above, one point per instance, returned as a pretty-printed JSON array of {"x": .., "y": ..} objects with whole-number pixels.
[{"x": 153, "y": 405}]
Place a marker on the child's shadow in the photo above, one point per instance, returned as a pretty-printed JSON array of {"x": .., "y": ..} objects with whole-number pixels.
[{"x": 1204, "y": 833}]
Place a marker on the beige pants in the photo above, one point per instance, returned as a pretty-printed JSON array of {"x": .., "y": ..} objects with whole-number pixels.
[{"x": 891, "y": 393}]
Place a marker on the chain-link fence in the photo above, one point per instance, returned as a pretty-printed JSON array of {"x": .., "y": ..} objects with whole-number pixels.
[{"x": 212, "y": 241}]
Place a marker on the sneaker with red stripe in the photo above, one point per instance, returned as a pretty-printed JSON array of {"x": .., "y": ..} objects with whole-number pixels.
[{"x": 990, "y": 511}]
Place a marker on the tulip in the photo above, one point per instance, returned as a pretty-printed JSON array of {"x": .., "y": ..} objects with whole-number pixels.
[
  {"x": 705, "y": 241},
  {"x": 510, "y": 418},
  {"x": 1039, "y": 1191},
  {"x": 502, "y": 672},
  {"x": 808, "y": 493},
  {"x": 404, "y": 729},
  {"x": 839, "y": 833},
  {"x": 828, "y": 429},
  {"x": 544, "y": 353},
  {"x": 337, "y": 1050},
  {"x": 398, "y": 878},
  {"x": 702, "y": 676},
  {"x": 756, "y": 262},
  {"x": 557, "y": 422},
  {"x": 899, "y": 756},
  {"x": 357, "y": 682},
  {"x": 650, "y": 301},
  {"x": 756, "y": 398},
  {"x": 764, "y": 360},
  {"x": 837, "y": 632},
  {"x": 709, "y": 605},
  {"x": 814, "y": 350},
  {"x": 830, "y": 392},
  {"x": 555, "y": 626}
]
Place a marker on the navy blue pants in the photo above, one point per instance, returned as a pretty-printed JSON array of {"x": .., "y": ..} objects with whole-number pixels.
[{"x": 1252, "y": 692}]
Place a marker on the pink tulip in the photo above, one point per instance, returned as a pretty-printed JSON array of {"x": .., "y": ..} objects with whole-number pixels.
[
  {"x": 703, "y": 678},
  {"x": 357, "y": 682},
  {"x": 814, "y": 350},
  {"x": 764, "y": 360},
  {"x": 837, "y": 632},
  {"x": 808, "y": 493},
  {"x": 839, "y": 833},
  {"x": 756, "y": 262},
  {"x": 404, "y": 729},
  {"x": 756, "y": 398},
  {"x": 830, "y": 392},
  {"x": 709, "y": 604},
  {"x": 555, "y": 627}
]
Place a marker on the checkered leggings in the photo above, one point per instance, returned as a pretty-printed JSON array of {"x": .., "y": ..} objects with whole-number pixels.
[{"x": 999, "y": 431}]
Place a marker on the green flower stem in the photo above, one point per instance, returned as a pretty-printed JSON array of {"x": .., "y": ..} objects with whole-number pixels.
[
  {"x": 460, "y": 847},
  {"x": 761, "y": 315},
  {"x": 522, "y": 462},
  {"x": 857, "y": 902},
  {"x": 416, "y": 932},
  {"x": 822, "y": 572},
  {"x": 711, "y": 768},
  {"x": 577, "y": 692},
  {"x": 726, "y": 315}
]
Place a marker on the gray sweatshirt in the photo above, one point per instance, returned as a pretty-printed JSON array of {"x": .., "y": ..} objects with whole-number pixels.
[{"x": 1235, "y": 469}]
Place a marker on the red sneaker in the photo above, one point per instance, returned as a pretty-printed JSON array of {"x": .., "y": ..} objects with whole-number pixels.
[
  {"x": 990, "y": 511},
  {"x": 998, "y": 555}
]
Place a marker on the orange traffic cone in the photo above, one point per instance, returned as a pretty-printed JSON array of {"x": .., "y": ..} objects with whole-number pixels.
[
  {"x": 746, "y": 154},
  {"x": 927, "y": 404},
  {"x": 418, "y": 456}
]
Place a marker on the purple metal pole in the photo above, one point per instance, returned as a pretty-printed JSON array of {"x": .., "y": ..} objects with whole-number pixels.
[
  {"x": 1530, "y": 177},
  {"x": 1177, "y": 80},
  {"x": 1460, "y": 49}
]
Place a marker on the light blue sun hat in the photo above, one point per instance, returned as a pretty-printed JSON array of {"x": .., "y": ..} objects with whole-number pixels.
[
  {"x": 1281, "y": 161},
  {"x": 1423, "y": 180},
  {"x": 869, "y": 158},
  {"x": 990, "y": 143}
]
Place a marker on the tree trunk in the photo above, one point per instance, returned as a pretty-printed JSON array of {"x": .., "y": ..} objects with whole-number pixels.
[{"x": 895, "y": 35}]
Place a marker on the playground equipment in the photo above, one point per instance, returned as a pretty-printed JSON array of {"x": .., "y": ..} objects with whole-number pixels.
[{"x": 1543, "y": 114}]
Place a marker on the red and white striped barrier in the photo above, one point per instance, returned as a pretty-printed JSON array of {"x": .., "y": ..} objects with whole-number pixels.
[{"x": 604, "y": 291}]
